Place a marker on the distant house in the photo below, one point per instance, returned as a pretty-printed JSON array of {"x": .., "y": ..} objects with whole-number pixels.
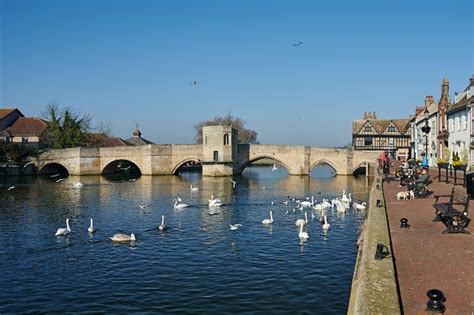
[
  {"x": 102, "y": 140},
  {"x": 8, "y": 116},
  {"x": 137, "y": 139},
  {"x": 27, "y": 131},
  {"x": 390, "y": 135}
]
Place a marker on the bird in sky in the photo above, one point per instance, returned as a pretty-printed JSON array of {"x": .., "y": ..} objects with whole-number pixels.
[
  {"x": 11, "y": 187},
  {"x": 297, "y": 44},
  {"x": 274, "y": 168},
  {"x": 193, "y": 83}
]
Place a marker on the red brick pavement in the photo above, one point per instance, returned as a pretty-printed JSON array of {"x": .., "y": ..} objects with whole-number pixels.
[{"x": 425, "y": 258}]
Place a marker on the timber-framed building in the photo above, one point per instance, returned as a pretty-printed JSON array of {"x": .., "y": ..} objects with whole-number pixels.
[{"x": 391, "y": 135}]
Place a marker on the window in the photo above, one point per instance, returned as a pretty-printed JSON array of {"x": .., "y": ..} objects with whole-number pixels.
[
  {"x": 226, "y": 139},
  {"x": 458, "y": 125},
  {"x": 367, "y": 128},
  {"x": 433, "y": 127},
  {"x": 216, "y": 156},
  {"x": 464, "y": 122},
  {"x": 368, "y": 142},
  {"x": 391, "y": 128},
  {"x": 450, "y": 125},
  {"x": 205, "y": 140},
  {"x": 391, "y": 141}
]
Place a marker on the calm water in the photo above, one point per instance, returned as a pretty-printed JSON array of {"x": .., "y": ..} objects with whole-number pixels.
[{"x": 197, "y": 266}]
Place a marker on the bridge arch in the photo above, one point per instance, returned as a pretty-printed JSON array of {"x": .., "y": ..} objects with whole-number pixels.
[
  {"x": 261, "y": 157},
  {"x": 183, "y": 163},
  {"x": 53, "y": 168},
  {"x": 119, "y": 166},
  {"x": 361, "y": 168},
  {"x": 324, "y": 162}
]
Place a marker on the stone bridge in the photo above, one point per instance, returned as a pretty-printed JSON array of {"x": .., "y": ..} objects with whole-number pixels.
[{"x": 219, "y": 155}]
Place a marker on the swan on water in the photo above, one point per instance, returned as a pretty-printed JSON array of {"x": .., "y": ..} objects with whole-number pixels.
[
  {"x": 214, "y": 202},
  {"x": 359, "y": 206},
  {"x": 234, "y": 227},
  {"x": 326, "y": 225},
  {"x": 119, "y": 237},
  {"x": 91, "y": 228},
  {"x": 194, "y": 188},
  {"x": 64, "y": 231},
  {"x": 162, "y": 226},
  {"x": 301, "y": 221},
  {"x": 307, "y": 203},
  {"x": 179, "y": 205},
  {"x": 268, "y": 221},
  {"x": 301, "y": 234}
]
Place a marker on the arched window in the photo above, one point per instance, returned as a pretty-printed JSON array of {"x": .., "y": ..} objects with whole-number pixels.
[
  {"x": 205, "y": 140},
  {"x": 226, "y": 139}
]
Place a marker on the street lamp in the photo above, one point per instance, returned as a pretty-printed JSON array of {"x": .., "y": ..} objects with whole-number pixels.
[{"x": 426, "y": 129}]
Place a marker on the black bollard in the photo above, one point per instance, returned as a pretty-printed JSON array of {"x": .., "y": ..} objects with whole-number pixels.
[
  {"x": 381, "y": 251},
  {"x": 404, "y": 223},
  {"x": 435, "y": 304}
]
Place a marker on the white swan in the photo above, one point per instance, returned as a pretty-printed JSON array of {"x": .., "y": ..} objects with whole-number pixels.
[
  {"x": 194, "y": 188},
  {"x": 78, "y": 185},
  {"x": 268, "y": 221},
  {"x": 123, "y": 238},
  {"x": 301, "y": 221},
  {"x": 301, "y": 234},
  {"x": 64, "y": 231},
  {"x": 91, "y": 228},
  {"x": 234, "y": 227},
  {"x": 326, "y": 225},
  {"x": 307, "y": 203},
  {"x": 162, "y": 226},
  {"x": 214, "y": 202},
  {"x": 179, "y": 205},
  {"x": 359, "y": 206}
]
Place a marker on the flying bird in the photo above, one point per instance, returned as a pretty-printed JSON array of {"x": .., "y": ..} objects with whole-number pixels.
[
  {"x": 11, "y": 187},
  {"x": 297, "y": 44},
  {"x": 143, "y": 206},
  {"x": 60, "y": 180},
  {"x": 233, "y": 183},
  {"x": 24, "y": 166},
  {"x": 234, "y": 227},
  {"x": 194, "y": 83}
]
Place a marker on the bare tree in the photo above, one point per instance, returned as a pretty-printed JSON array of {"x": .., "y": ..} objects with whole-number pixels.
[{"x": 245, "y": 135}]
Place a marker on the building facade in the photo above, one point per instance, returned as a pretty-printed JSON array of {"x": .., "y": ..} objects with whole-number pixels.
[
  {"x": 391, "y": 135},
  {"x": 426, "y": 139},
  {"x": 460, "y": 126}
]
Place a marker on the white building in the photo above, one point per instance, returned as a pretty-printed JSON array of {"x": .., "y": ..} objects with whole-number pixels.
[
  {"x": 427, "y": 142},
  {"x": 460, "y": 122}
]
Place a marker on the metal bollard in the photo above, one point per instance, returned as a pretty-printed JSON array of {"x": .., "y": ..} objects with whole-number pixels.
[
  {"x": 404, "y": 223},
  {"x": 435, "y": 304}
]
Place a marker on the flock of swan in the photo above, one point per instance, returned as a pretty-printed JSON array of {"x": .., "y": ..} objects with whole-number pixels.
[{"x": 341, "y": 204}]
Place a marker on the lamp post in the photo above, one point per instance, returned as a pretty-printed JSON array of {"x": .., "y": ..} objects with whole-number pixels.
[{"x": 426, "y": 129}]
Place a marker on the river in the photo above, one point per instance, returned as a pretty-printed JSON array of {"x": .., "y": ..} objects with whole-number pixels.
[{"x": 198, "y": 265}]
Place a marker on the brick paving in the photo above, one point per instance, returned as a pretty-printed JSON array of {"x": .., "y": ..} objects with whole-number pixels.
[{"x": 425, "y": 258}]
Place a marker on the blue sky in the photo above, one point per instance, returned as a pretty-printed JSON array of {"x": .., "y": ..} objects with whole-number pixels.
[{"x": 127, "y": 62}]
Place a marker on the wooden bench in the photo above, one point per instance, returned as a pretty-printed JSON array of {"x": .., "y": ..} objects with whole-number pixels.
[{"x": 453, "y": 213}]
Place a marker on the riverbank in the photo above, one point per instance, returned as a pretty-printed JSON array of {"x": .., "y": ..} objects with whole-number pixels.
[{"x": 374, "y": 283}]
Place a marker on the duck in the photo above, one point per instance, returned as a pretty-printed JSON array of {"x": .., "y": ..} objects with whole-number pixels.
[
  {"x": 268, "y": 221},
  {"x": 194, "y": 188},
  {"x": 91, "y": 228},
  {"x": 326, "y": 225},
  {"x": 64, "y": 231},
  {"x": 120, "y": 237},
  {"x": 162, "y": 226},
  {"x": 303, "y": 235},
  {"x": 301, "y": 221},
  {"x": 179, "y": 205}
]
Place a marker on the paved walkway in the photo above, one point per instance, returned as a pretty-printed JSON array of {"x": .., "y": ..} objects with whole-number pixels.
[{"x": 427, "y": 259}]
